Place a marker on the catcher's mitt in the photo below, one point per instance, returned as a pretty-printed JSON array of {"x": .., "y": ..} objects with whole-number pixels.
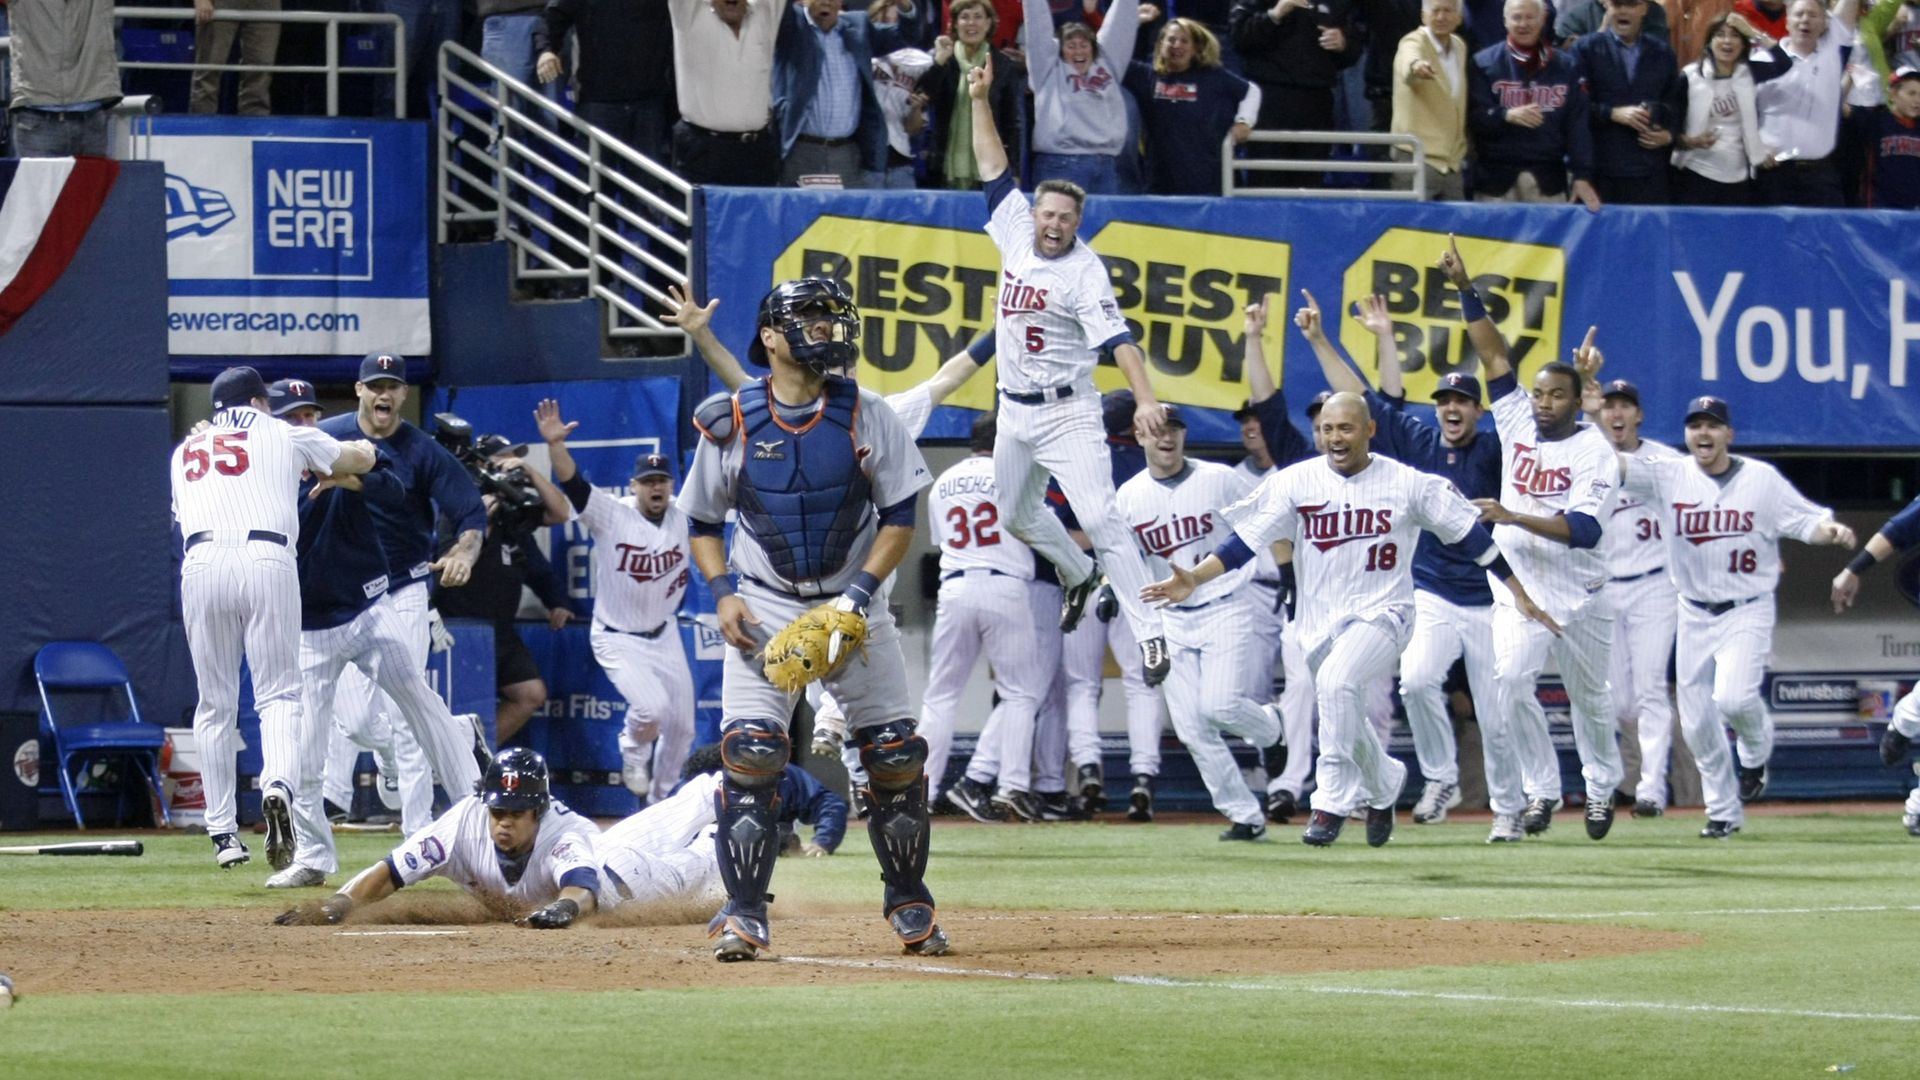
[{"x": 813, "y": 646}]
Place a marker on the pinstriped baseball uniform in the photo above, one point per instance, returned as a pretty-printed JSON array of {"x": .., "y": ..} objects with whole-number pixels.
[
  {"x": 982, "y": 607},
  {"x": 1723, "y": 548},
  {"x": 640, "y": 570},
  {"x": 1177, "y": 520},
  {"x": 459, "y": 847},
  {"x": 1544, "y": 477},
  {"x": 1640, "y": 591},
  {"x": 235, "y": 487},
  {"x": 1353, "y": 541},
  {"x": 664, "y": 852},
  {"x": 1052, "y": 316},
  {"x": 1276, "y": 643}
]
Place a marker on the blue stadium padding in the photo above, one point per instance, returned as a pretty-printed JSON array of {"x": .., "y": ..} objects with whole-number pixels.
[
  {"x": 579, "y": 730},
  {"x": 482, "y": 337}
]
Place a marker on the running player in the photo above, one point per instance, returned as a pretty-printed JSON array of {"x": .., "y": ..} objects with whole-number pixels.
[{"x": 1900, "y": 533}]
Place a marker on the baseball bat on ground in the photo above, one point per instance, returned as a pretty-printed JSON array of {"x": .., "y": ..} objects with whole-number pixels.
[{"x": 107, "y": 847}]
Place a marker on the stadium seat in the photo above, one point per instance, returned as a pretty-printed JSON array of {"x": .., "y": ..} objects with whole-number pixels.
[{"x": 81, "y": 685}]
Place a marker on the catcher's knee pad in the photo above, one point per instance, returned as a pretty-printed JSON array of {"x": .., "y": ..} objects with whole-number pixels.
[
  {"x": 746, "y": 843},
  {"x": 898, "y": 829},
  {"x": 895, "y": 758},
  {"x": 753, "y": 752}
]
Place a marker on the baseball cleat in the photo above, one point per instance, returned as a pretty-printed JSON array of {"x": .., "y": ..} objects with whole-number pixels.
[
  {"x": 1599, "y": 818},
  {"x": 736, "y": 936},
  {"x": 1894, "y": 746},
  {"x": 1718, "y": 830},
  {"x": 935, "y": 944},
  {"x": 1436, "y": 798},
  {"x": 1243, "y": 831},
  {"x": 1155, "y": 663},
  {"x": 1016, "y": 805},
  {"x": 1140, "y": 800},
  {"x": 919, "y": 933},
  {"x": 1281, "y": 806},
  {"x": 1379, "y": 825},
  {"x": 296, "y": 877},
  {"x": 731, "y": 947},
  {"x": 1093, "y": 792},
  {"x": 1753, "y": 782},
  {"x": 1912, "y": 822},
  {"x": 1323, "y": 829},
  {"x": 636, "y": 768},
  {"x": 273, "y": 806},
  {"x": 480, "y": 752},
  {"x": 1538, "y": 816},
  {"x": 1645, "y": 809},
  {"x": 228, "y": 851},
  {"x": 1273, "y": 758},
  {"x": 1056, "y": 806},
  {"x": 973, "y": 799},
  {"x": 1073, "y": 600},
  {"x": 1506, "y": 830}
]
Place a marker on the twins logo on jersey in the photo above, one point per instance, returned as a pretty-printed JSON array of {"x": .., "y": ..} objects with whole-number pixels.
[
  {"x": 1164, "y": 537},
  {"x": 642, "y": 565},
  {"x": 1328, "y": 529},
  {"x": 1017, "y": 298},
  {"x": 1698, "y": 526},
  {"x": 1092, "y": 82},
  {"x": 1515, "y": 95},
  {"x": 1530, "y": 479}
]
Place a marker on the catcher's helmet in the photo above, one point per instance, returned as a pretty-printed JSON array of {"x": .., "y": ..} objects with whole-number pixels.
[
  {"x": 517, "y": 780},
  {"x": 791, "y": 305}
]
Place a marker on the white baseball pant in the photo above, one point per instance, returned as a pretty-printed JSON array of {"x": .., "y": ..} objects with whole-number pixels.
[
  {"x": 240, "y": 597},
  {"x": 1296, "y": 714},
  {"x": 651, "y": 674},
  {"x": 1207, "y": 692},
  {"x": 365, "y": 715},
  {"x": 1084, "y": 657},
  {"x": 1721, "y": 662},
  {"x": 647, "y": 859},
  {"x": 979, "y": 609},
  {"x": 1050, "y": 723},
  {"x": 1583, "y": 654},
  {"x": 1354, "y": 768},
  {"x": 1068, "y": 440},
  {"x": 355, "y": 728},
  {"x": 1444, "y": 631},
  {"x": 1644, "y": 621},
  {"x": 871, "y": 688}
]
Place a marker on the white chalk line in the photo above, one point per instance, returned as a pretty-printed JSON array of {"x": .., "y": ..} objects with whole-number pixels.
[
  {"x": 1362, "y": 991},
  {"x": 400, "y": 933},
  {"x": 1838, "y": 909}
]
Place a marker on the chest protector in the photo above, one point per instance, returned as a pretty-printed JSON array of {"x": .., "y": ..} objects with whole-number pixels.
[{"x": 801, "y": 491}]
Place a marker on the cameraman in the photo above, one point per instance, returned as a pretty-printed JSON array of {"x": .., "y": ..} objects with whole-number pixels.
[{"x": 518, "y": 500}]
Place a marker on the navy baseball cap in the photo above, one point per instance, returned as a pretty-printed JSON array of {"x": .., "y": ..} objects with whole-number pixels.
[
  {"x": 1621, "y": 388},
  {"x": 381, "y": 365},
  {"x": 1319, "y": 399},
  {"x": 1174, "y": 415},
  {"x": 287, "y": 395},
  {"x": 1902, "y": 74},
  {"x": 1116, "y": 412},
  {"x": 1711, "y": 407},
  {"x": 652, "y": 465},
  {"x": 1245, "y": 411},
  {"x": 1456, "y": 383},
  {"x": 237, "y": 386}
]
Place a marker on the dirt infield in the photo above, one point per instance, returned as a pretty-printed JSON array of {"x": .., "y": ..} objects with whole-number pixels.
[{"x": 448, "y": 945}]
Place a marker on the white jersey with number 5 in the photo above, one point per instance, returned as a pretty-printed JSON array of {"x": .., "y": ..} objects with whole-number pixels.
[
  {"x": 1177, "y": 520},
  {"x": 965, "y": 516},
  {"x": 1723, "y": 532},
  {"x": 1353, "y": 536},
  {"x": 1549, "y": 478},
  {"x": 243, "y": 472},
  {"x": 1053, "y": 313},
  {"x": 1633, "y": 539},
  {"x": 459, "y": 847}
]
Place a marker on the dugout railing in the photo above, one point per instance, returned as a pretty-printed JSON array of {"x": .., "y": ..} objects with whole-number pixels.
[
  {"x": 1237, "y": 175},
  {"x": 332, "y": 68}
]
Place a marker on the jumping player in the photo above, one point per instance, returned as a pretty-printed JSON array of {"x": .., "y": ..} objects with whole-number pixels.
[
  {"x": 236, "y": 486},
  {"x": 1056, "y": 309},
  {"x": 1724, "y": 517},
  {"x": 640, "y": 570},
  {"x": 824, "y": 478},
  {"x": 1349, "y": 515},
  {"x": 1900, "y": 533}
]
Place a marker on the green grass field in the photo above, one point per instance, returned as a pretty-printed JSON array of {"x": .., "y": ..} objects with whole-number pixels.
[{"x": 1805, "y": 962}]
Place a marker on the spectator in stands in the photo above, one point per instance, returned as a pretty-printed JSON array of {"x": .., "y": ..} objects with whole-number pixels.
[
  {"x": 511, "y": 35},
  {"x": 1079, "y": 107},
  {"x": 1800, "y": 111},
  {"x": 66, "y": 76},
  {"x": 1295, "y": 50},
  {"x": 1215, "y": 15},
  {"x": 968, "y": 43},
  {"x": 896, "y": 82},
  {"x": 1635, "y": 97},
  {"x": 213, "y": 43},
  {"x": 1430, "y": 98},
  {"x": 1388, "y": 23},
  {"x": 624, "y": 81},
  {"x": 1770, "y": 18},
  {"x": 723, "y": 72},
  {"x": 1892, "y": 136},
  {"x": 1890, "y": 30},
  {"x": 429, "y": 25},
  {"x": 1688, "y": 24},
  {"x": 823, "y": 97},
  {"x": 1715, "y": 156},
  {"x": 1189, "y": 105},
  {"x": 1528, "y": 113},
  {"x": 1576, "y": 19}
]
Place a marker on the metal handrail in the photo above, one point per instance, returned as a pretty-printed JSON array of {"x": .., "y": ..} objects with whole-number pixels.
[
  {"x": 1417, "y": 166},
  {"x": 551, "y": 176},
  {"x": 331, "y": 69}
]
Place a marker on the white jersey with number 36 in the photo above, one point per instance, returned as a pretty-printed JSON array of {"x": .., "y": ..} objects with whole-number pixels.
[
  {"x": 1723, "y": 533},
  {"x": 966, "y": 518},
  {"x": 243, "y": 472},
  {"x": 1052, "y": 313},
  {"x": 1633, "y": 539},
  {"x": 1353, "y": 536}
]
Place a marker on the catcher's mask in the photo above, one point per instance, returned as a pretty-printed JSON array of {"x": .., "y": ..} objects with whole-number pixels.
[
  {"x": 517, "y": 780},
  {"x": 792, "y": 306}
]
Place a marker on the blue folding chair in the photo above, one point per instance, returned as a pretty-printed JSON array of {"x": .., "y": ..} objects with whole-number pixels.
[{"x": 81, "y": 686}]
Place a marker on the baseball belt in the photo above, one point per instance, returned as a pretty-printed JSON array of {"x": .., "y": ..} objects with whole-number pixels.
[
  {"x": 252, "y": 534},
  {"x": 1724, "y": 606}
]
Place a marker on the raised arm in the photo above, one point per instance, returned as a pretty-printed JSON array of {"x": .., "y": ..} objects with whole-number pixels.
[
  {"x": 960, "y": 367},
  {"x": 1120, "y": 30},
  {"x": 1488, "y": 342},
  {"x": 1339, "y": 374},
  {"x": 697, "y": 323},
  {"x": 1375, "y": 319},
  {"x": 1260, "y": 385},
  {"x": 989, "y": 153}
]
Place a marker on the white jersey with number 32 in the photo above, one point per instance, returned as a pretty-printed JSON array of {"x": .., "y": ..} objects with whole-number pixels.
[
  {"x": 1052, "y": 313},
  {"x": 1353, "y": 536},
  {"x": 1723, "y": 533},
  {"x": 966, "y": 518},
  {"x": 243, "y": 472}
]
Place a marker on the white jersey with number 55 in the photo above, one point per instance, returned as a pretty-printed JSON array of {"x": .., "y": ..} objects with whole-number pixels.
[
  {"x": 1723, "y": 533},
  {"x": 1053, "y": 313},
  {"x": 966, "y": 518},
  {"x": 1353, "y": 536},
  {"x": 243, "y": 472}
]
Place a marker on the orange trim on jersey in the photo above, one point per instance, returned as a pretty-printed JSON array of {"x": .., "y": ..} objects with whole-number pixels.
[
  {"x": 773, "y": 410},
  {"x": 739, "y": 421}
]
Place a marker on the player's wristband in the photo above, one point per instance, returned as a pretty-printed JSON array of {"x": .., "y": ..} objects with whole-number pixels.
[
  {"x": 1471, "y": 309},
  {"x": 860, "y": 590},
  {"x": 722, "y": 586},
  {"x": 1862, "y": 562}
]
